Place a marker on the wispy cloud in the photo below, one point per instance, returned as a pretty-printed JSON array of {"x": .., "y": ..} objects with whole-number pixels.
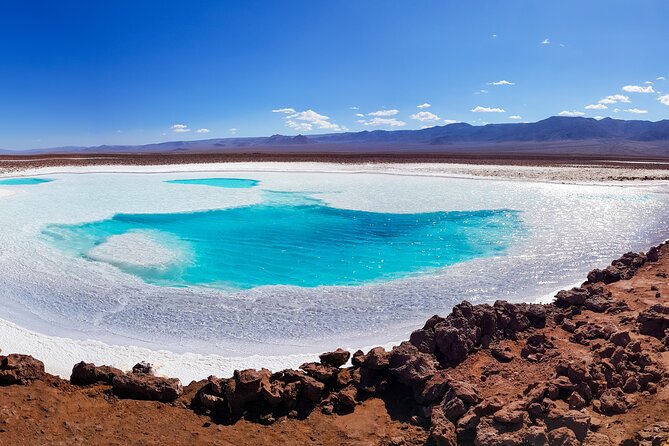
[
  {"x": 391, "y": 112},
  {"x": 571, "y": 113},
  {"x": 450, "y": 121},
  {"x": 479, "y": 109},
  {"x": 612, "y": 99},
  {"x": 180, "y": 128},
  {"x": 502, "y": 82},
  {"x": 203, "y": 130},
  {"x": 233, "y": 131},
  {"x": 546, "y": 41},
  {"x": 425, "y": 116},
  {"x": 424, "y": 105},
  {"x": 599, "y": 106},
  {"x": 515, "y": 117},
  {"x": 481, "y": 92},
  {"x": 664, "y": 99},
  {"x": 360, "y": 115},
  {"x": 661, "y": 78},
  {"x": 638, "y": 89},
  {"x": 353, "y": 108},
  {"x": 637, "y": 111},
  {"x": 283, "y": 110},
  {"x": 377, "y": 122}
]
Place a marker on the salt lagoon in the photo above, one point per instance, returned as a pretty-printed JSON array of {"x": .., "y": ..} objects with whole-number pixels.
[{"x": 80, "y": 262}]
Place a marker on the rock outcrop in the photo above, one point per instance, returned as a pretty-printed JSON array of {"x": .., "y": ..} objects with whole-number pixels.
[{"x": 20, "y": 369}]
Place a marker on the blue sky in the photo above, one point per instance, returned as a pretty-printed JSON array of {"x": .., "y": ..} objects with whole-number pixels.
[{"x": 131, "y": 72}]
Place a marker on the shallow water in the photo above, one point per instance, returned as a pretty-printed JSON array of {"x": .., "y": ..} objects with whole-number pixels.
[
  {"x": 566, "y": 230},
  {"x": 23, "y": 181},
  {"x": 230, "y": 183},
  {"x": 287, "y": 239}
]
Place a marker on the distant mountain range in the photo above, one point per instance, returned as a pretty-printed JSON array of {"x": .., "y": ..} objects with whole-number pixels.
[{"x": 557, "y": 134}]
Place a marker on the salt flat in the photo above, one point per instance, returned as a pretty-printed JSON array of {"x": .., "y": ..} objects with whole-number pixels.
[{"x": 67, "y": 308}]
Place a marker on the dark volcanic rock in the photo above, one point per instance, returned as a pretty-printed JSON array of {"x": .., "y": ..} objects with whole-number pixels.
[
  {"x": 143, "y": 368},
  {"x": 575, "y": 296},
  {"x": 423, "y": 340},
  {"x": 411, "y": 366},
  {"x": 20, "y": 369},
  {"x": 574, "y": 420},
  {"x": 442, "y": 430},
  {"x": 654, "y": 321},
  {"x": 613, "y": 401},
  {"x": 147, "y": 387},
  {"x": 85, "y": 373},
  {"x": 244, "y": 388},
  {"x": 377, "y": 359},
  {"x": 318, "y": 371},
  {"x": 336, "y": 358},
  {"x": 655, "y": 434},
  {"x": 562, "y": 437}
]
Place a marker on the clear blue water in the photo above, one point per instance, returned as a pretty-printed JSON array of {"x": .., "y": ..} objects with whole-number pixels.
[
  {"x": 291, "y": 239},
  {"x": 230, "y": 183},
  {"x": 23, "y": 181}
]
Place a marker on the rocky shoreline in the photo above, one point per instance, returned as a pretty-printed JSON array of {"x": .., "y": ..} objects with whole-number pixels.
[{"x": 590, "y": 368}]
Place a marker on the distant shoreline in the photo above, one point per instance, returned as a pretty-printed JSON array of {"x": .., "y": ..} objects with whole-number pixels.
[{"x": 518, "y": 166}]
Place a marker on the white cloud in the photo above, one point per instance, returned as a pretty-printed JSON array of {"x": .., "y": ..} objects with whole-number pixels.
[
  {"x": 450, "y": 121},
  {"x": 202, "y": 130},
  {"x": 423, "y": 127},
  {"x": 360, "y": 115},
  {"x": 425, "y": 116},
  {"x": 479, "y": 109},
  {"x": 494, "y": 36},
  {"x": 636, "y": 110},
  {"x": 546, "y": 41},
  {"x": 376, "y": 122},
  {"x": 481, "y": 92},
  {"x": 599, "y": 106},
  {"x": 425, "y": 105},
  {"x": 353, "y": 108},
  {"x": 515, "y": 117},
  {"x": 599, "y": 118},
  {"x": 299, "y": 126},
  {"x": 180, "y": 128},
  {"x": 612, "y": 99},
  {"x": 233, "y": 131},
  {"x": 391, "y": 112},
  {"x": 502, "y": 82},
  {"x": 571, "y": 113},
  {"x": 308, "y": 120},
  {"x": 648, "y": 82},
  {"x": 638, "y": 89},
  {"x": 664, "y": 99},
  {"x": 661, "y": 78},
  {"x": 616, "y": 110}
]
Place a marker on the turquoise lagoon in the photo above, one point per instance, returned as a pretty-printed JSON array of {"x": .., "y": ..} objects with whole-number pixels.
[
  {"x": 229, "y": 183},
  {"x": 23, "y": 181},
  {"x": 294, "y": 239}
]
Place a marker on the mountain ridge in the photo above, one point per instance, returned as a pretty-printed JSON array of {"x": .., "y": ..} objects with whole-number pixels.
[{"x": 555, "y": 129}]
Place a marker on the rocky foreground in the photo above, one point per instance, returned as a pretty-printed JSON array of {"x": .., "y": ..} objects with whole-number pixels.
[{"x": 591, "y": 368}]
